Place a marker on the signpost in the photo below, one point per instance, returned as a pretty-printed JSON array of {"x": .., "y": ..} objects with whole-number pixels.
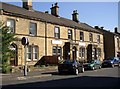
[{"x": 25, "y": 42}]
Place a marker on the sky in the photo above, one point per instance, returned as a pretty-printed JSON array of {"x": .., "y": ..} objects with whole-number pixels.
[{"x": 102, "y": 14}]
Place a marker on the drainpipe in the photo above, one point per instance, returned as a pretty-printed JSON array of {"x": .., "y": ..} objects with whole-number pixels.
[
  {"x": 46, "y": 38},
  {"x": 75, "y": 33}
]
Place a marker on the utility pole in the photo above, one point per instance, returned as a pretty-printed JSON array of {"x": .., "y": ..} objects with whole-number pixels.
[
  {"x": 25, "y": 65},
  {"x": 25, "y": 42}
]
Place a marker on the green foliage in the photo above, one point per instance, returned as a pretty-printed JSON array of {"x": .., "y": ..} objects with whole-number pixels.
[{"x": 6, "y": 38}]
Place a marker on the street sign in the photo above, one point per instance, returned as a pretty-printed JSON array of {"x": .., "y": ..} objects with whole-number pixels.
[{"x": 25, "y": 41}]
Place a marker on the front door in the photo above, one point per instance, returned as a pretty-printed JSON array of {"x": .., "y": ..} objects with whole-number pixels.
[
  {"x": 14, "y": 60},
  {"x": 74, "y": 53}
]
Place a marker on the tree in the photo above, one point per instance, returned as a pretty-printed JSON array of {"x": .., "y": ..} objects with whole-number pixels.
[{"x": 6, "y": 38}]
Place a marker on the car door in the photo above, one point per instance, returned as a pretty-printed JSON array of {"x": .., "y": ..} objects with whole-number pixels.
[
  {"x": 117, "y": 61},
  {"x": 97, "y": 64}
]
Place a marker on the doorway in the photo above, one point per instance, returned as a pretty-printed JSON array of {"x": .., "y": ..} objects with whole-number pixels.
[
  {"x": 14, "y": 58},
  {"x": 74, "y": 53}
]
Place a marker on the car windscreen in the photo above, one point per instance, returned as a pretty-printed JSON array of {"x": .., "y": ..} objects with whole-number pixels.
[{"x": 109, "y": 58}]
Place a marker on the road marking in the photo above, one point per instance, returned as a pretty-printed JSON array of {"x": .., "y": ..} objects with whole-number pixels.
[
  {"x": 46, "y": 75},
  {"x": 21, "y": 78},
  {"x": 37, "y": 76}
]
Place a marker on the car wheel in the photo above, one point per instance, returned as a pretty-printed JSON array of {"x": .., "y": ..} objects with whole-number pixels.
[
  {"x": 76, "y": 71},
  {"x": 113, "y": 65},
  {"x": 119, "y": 64},
  {"x": 99, "y": 67},
  {"x": 93, "y": 68},
  {"x": 83, "y": 70}
]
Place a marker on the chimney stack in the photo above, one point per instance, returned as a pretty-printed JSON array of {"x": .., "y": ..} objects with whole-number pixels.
[
  {"x": 47, "y": 12},
  {"x": 96, "y": 27},
  {"x": 54, "y": 10},
  {"x": 116, "y": 30},
  {"x": 75, "y": 16},
  {"x": 27, "y": 4}
]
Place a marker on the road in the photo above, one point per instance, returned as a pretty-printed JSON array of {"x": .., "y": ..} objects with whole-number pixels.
[{"x": 105, "y": 77}]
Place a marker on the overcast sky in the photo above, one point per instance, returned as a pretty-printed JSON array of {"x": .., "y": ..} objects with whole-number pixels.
[{"x": 93, "y": 13}]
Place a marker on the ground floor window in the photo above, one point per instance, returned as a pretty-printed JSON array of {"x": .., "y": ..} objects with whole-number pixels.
[
  {"x": 82, "y": 52},
  {"x": 57, "y": 51},
  {"x": 99, "y": 52},
  {"x": 32, "y": 53}
]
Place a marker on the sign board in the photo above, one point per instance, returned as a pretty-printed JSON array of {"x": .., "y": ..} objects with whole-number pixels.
[
  {"x": 81, "y": 44},
  {"x": 56, "y": 42}
]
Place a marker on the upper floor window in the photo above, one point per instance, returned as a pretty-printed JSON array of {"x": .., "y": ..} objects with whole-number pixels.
[
  {"x": 69, "y": 34},
  {"x": 99, "y": 52},
  {"x": 98, "y": 38},
  {"x": 11, "y": 25},
  {"x": 118, "y": 43},
  {"x": 57, "y": 32},
  {"x": 33, "y": 29},
  {"x": 81, "y": 36},
  {"x": 91, "y": 37}
]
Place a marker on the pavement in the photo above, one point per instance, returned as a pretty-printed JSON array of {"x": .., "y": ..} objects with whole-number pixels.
[{"x": 37, "y": 72}]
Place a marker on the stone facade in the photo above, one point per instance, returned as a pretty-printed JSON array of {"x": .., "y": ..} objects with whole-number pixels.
[{"x": 45, "y": 40}]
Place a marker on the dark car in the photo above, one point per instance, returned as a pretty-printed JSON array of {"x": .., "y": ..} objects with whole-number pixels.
[
  {"x": 70, "y": 66},
  {"x": 93, "y": 64},
  {"x": 111, "y": 62}
]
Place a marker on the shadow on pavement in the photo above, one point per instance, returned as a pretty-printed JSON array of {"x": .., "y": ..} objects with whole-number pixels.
[{"x": 76, "y": 82}]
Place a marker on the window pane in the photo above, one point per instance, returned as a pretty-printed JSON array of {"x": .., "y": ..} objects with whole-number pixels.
[
  {"x": 35, "y": 52},
  {"x": 33, "y": 28},
  {"x": 81, "y": 36},
  {"x": 98, "y": 38},
  {"x": 11, "y": 24},
  {"x": 57, "y": 32},
  {"x": 82, "y": 52},
  {"x": 69, "y": 34},
  {"x": 91, "y": 37},
  {"x": 29, "y": 52},
  {"x": 54, "y": 50}
]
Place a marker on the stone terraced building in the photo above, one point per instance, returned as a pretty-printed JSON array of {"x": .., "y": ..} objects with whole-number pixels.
[{"x": 50, "y": 35}]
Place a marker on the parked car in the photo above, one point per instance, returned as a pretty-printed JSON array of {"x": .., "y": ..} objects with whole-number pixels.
[
  {"x": 111, "y": 62},
  {"x": 72, "y": 67},
  {"x": 93, "y": 64}
]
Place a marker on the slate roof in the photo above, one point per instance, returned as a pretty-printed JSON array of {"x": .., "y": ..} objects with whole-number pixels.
[{"x": 37, "y": 15}]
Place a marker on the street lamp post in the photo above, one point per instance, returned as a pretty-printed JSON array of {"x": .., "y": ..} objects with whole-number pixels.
[{"x": 25, "y": 42}]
